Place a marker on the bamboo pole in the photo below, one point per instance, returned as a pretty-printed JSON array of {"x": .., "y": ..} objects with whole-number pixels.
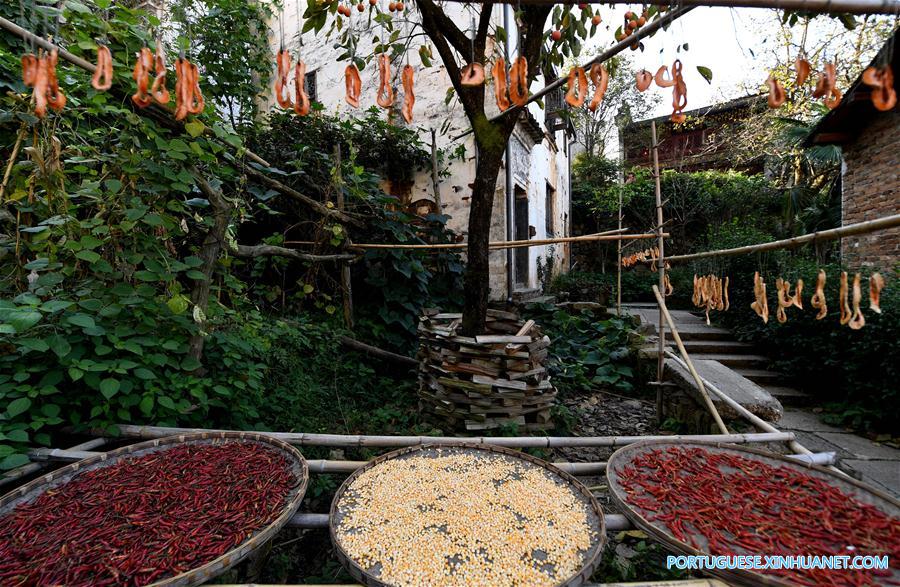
[
  {"x": 612, "y": 235},
  {"x": 750, "y": 416},
  {"x": 661, "y": 327},
  {"x": 823, "y": 235},
  {"x": 349, "y": 440},
  {"x": 346, "y": 285},
  {"x": 687, "y": 359},
  {"x": 644, "y": 31},
  {"x": 27, "y": 469},
  {"x": 817, "y": 6}
]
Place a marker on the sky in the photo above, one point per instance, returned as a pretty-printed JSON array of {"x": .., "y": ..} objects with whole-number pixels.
[{"x": 722, "y": 39}]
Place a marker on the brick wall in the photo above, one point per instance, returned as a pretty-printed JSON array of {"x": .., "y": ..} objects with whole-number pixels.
[{"x": 871, "y": 190}]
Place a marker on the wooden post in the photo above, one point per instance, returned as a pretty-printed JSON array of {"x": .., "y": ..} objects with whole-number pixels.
[
  {"x": 662, "y": 271},
  {"x": 346, "y": 287},
  {"x": 687, "y": 360},
  {"x": 436, "y": 185}
]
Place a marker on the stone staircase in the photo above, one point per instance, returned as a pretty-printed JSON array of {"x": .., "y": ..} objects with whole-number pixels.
[{"x": 711, "y": 343}]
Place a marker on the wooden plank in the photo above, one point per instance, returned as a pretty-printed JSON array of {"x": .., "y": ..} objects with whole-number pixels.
[{"x": 501, "y": 339}]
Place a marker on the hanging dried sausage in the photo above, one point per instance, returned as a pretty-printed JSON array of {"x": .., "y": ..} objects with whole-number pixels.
[
  {"x": 725, "y": 293},
  {"x": 41, "y": 81},
  {"x": 518, "y": 81},
  {"x": 679, "y": 94},
  {"x": 826, "y": 87},
  {"x": 188, "y": 97},
  {"x": 141, "y": 75},
  {"x": 884, "y": 96},
  {"x": 196, "y": 102},
  {"x": 385, "y": 97},
  {"x": 282, "y": 93},
  {"x": 578, "y": 87},
  {"x": 643, "y": 79},
  {"x": 500, "y": 84},
  {"x": 29, "y": 69},
  {"x": 409, "y": 96},
  {"x": 102, "y": 78},
  {"x": 803, "y": 69},
  {"x": 353, "y": 85},
  {"x": 761, "y": 305},
  {"x": 818, "y": 299},
  {"x": 600, "y": 77},
  {"x": 660, "y": 77},
  {"x": 158, "y": 90},
  {"x": 857, "y": 319},
  {"x": 472, "y": 75},
  {"x": 876, "y": 284},
  {"x": 301, "y": 99},
  {"x": 782, "y": 289},
  {"x": 776, "y": 93},
  {"x": 846, "y": 314},
  {"x": 55, "y": 98}
]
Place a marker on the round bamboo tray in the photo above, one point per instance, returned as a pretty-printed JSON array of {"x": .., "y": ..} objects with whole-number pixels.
[
  {"x": 215, "y": 567},
  {"x": 623, "y": 457},
  {"x": 370, "y": 577}
]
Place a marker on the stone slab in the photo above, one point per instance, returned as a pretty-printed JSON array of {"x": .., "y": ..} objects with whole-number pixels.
[
  {"x": 748, "y": 394},
  {"x": 816, "y": 443},
  {"x": 884, "y": 475},
  {"x": 803, "y": 420},
  {"x": 861, "y": 448}
]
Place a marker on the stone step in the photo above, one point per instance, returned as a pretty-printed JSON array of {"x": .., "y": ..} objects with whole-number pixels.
[
  {"x": 733, "y": 360},
  {"x": 731, "y": 347},
  {"x": 761, "y": 376},
  {"x": 788, "y": 396},
  {"x": 700, "y": 332}
]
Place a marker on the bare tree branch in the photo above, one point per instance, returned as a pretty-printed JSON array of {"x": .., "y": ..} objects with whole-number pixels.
[{"x": 252, "y": 251}]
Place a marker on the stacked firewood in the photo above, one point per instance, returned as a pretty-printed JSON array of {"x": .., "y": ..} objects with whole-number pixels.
[{"x": 488, "y": 381}]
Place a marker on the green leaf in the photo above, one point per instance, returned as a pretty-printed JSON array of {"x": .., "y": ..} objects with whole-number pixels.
[
  {"x": 166, "y": 402},
  {"x": 706, "y": 73},
  {"x": 55, "y": 305},
  {"x": 34, "y": 344},
  {"x": 50, "y": 410},
  {"x": 143, "y": 373},
  {"x": 18, "y": 406},
  {"x": 190, "y": 364},
  {"x": 59, "y": 345},
  {"x": 146, "y": 405},
  {"x": 195, "y": 128},
  {"x": 13, "y": 461},
  {"x": 89, "y": 256},
  {"x": 178, "y": 303},
  {"x": 75, "y": 373},
  {"x": 82, "y": 320},
  {"x": 17, "y": 435},
  {"x": 197, "y": 275},
  {"x": 22, "y": 320},
  {"x": 109, "y": 387}
]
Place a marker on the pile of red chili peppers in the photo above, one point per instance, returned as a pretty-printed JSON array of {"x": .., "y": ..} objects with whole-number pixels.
[
  {"x": 726, "y": 504},
  {"x": 145, "y": 518}
]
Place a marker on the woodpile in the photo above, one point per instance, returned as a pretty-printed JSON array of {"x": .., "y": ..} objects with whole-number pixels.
[{"x": 489, "y": 381}]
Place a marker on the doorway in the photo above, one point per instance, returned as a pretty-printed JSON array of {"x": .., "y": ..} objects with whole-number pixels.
[{"x": 522, "y": 233}]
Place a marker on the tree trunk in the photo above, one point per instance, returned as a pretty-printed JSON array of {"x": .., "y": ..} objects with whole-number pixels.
[
  {"x": 477, "y": 277},
  {"x": 209, "y": 252}
]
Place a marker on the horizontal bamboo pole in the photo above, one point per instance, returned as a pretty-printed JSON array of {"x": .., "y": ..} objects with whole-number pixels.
[
  {"x": 614, "y": 522},
  {"x": 817, "y": 6},
  {"x": 497, "y": 245},
  {"x": 34, "y": 467},
  {"x": 823, "y": 235},
  {"x": 350, "y": 440}
]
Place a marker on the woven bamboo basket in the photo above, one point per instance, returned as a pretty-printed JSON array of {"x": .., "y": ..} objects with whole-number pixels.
[
  {"x": 623, "y": 457},
  {"x": 202, "y": 574},
  {"x": 487, "y": 381},
  {"x": 370, "y": 577}
]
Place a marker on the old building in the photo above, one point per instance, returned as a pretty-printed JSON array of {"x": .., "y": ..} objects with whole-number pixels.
[
  {"x": 701, "y": 143},
  {"x": 532, "y": 195},
  {"x": 870, "y": 173}
]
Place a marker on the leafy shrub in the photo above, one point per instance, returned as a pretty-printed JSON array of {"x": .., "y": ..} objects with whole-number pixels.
[{"x": 586, "y": 352}]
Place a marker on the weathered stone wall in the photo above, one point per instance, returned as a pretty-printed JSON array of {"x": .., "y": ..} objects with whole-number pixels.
[{"x": 871, "y": 189}]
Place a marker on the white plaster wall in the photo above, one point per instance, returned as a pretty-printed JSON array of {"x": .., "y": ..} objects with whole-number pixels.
[{"x": 431, "y": 112}]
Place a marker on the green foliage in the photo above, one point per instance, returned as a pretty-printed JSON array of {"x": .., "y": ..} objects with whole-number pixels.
[
  {"x": 586, "y": 352},
  {"x": 637, "y": 284}
]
